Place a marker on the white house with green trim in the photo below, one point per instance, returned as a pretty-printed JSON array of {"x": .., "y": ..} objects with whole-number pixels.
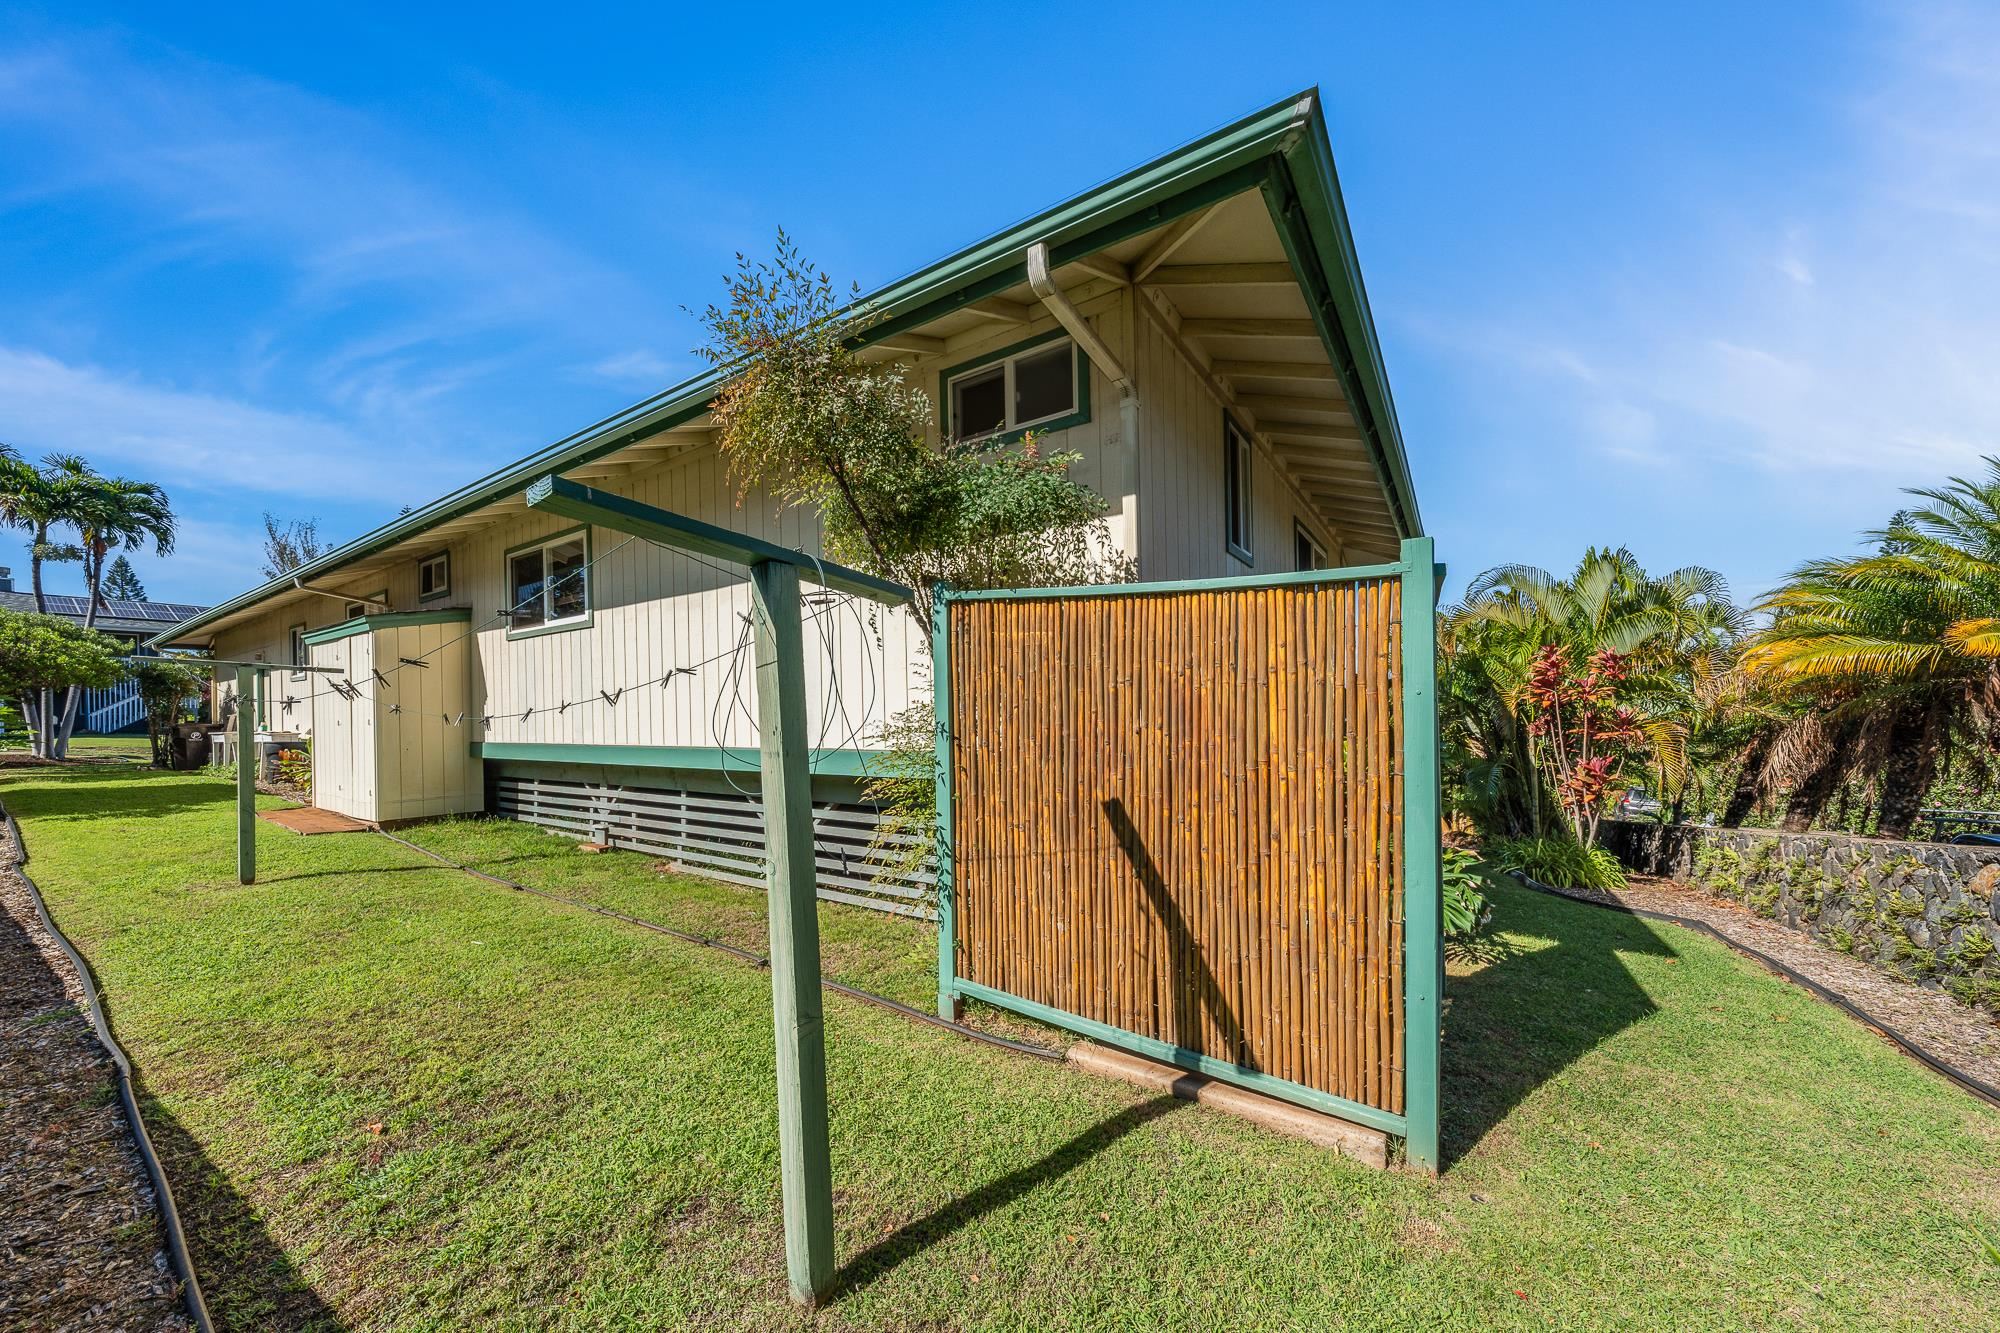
[{"x": 1195, "y": 329}]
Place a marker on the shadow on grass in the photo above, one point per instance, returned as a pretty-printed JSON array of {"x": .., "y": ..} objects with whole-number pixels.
[
  {"x": 1531, "y": 1011},
  {"x": 246, "y": 1277},
  {"x": 108, "y": 794},
  {"x": 928, "y": 1230}
]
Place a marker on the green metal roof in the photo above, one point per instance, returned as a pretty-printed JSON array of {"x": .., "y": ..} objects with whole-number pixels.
[{"x": 1282, "y": 150}]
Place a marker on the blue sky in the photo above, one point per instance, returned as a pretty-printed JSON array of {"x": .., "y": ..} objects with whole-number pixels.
[{"x": 1711, "y": 281}]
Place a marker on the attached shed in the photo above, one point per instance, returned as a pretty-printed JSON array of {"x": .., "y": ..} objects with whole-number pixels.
[{"x": 392, "y": 743}]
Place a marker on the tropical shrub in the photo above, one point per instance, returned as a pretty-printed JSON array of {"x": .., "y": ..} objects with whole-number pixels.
[
  {"x": 294, "y": 768},
  {"x": 1466, "y": 909},
  {"x": 1560, "y": 863}
]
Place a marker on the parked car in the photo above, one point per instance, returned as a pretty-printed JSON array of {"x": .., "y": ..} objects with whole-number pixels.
[{"x": 1636, "y": 804}]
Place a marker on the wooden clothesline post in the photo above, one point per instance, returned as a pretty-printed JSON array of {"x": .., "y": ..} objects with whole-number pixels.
[{"x": 778, "y": 627}]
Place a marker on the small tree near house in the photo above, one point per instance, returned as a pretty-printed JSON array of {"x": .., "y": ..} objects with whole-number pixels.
[
  {"x": 812, "y": 424},
  {"x": 1583, "y": 732}
]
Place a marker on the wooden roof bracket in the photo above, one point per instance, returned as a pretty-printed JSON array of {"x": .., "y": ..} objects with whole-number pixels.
[{"x": 1073, "y": 322}]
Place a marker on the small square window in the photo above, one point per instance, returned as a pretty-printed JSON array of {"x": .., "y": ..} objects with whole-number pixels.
[
  {"x": 549, "y": 584},
  {"x": 434, "y": 577},
  {"x": 1017, "y": 391},
  {"x": 378, "y": 602}
]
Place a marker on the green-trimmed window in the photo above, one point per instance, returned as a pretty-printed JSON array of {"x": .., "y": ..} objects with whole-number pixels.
[
  {"x": 548, "y": 583},
  {"x": 1236, "y": 491},
  {"x": 1039, "y": 383},
  {"x": 434, "y": 577}
]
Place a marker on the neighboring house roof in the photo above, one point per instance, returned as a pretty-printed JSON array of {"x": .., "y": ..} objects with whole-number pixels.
[
  {"x": 1282, "y": 151},
  {"x": 116, "y": 615}
]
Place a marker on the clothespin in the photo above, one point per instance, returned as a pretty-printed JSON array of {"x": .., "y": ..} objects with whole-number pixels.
[
  {"x": 525, "y": 716},
  {"x": 377, "y": 673},
  {"x": 415, "y": 662},
  {"x": 394, "y": 709},
  {"x": 459, "y": 721},
  {"x": 562, "y": 708},
  {"x": 668, "y": 679},
  {"x": 612, "y": 696}
]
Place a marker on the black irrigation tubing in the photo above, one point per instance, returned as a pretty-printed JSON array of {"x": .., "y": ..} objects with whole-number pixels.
[
  {"x": 754, "y": 959},
  {"x": 1977, "y": 1087},
  {"x": 163, "y": 1194}
]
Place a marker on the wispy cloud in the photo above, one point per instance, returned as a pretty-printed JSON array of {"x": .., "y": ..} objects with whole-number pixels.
[{"x": 199, "y": 441}]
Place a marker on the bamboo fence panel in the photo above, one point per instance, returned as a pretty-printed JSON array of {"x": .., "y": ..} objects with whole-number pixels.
[{"x": 1180, "y": 814}]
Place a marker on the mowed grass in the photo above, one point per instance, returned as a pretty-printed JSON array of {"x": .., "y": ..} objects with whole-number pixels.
[{"x": 395, "y": 1096}]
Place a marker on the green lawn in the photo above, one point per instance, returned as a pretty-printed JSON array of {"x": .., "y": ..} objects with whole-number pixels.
[
  {"x": 94, "y": 747},
  {"x": 395, "y": 1096}
]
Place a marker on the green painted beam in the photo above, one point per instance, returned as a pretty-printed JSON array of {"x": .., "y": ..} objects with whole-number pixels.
[
  {"x": 573, "y": 499},
  {"x": 803, "y": 1156},
  {"x": 947, "y": 908},
  {"x": 1155, "y": 1049},
  {"x": 697, "y": 758},
  {"x": 1423, "y": 871},
  {"x": 246, "y": 774},
  {"x": 458, "y": 615}
]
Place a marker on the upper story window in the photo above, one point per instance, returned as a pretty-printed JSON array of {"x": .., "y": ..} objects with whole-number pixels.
[
  {"x": 1307, "y": 552},
  {"x": 1236, "y": 491},
  {"x": 548, "y": 583},
  {"x": 376, "y": 601},
  {"x": 1040, "y": 383},
  {"x": 434, "y": 577}
]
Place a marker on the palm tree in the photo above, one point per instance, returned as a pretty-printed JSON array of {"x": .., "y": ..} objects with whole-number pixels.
[
  {"x": 1897, "y": 649},
  {"x": 109, "y": 514},
  {"x": 34, "y": 500}
]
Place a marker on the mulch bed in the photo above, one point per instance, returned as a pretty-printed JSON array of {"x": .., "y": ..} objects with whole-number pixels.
[
  {"x": 80, "y": 1243},
  {"x": 1957, "y": 1034}
]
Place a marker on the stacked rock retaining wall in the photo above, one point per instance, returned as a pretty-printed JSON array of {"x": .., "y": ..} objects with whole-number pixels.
[{"x": 1925, "y": 912}]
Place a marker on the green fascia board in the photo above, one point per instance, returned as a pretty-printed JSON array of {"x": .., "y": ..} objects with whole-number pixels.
[
  {"x": 347, "y": 629},
  {"x": 1228, "y": 583},
  {"x": 699, "y": 758},
  {"x": 1207, "y": 170}
]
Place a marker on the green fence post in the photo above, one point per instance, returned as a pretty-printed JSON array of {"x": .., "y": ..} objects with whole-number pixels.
[
  {"x": 246, "y": 775},
  {"x": 1423, "y": 940},
  {"x": 803, "y": 1157},
  {"x": 948, "y": 1003}
]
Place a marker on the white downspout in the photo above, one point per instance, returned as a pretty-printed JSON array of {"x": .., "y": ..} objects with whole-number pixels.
[{"x": 1100, "y": 356}]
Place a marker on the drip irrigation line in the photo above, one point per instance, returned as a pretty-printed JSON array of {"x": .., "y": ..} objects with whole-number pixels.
[
  {"x": 163, "y": 1194},
  {"x": 1977, "y": 1087},
  {"x": 754, "y": 959}
]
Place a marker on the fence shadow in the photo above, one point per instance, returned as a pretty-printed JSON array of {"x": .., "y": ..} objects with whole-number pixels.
[
  {"x": 915, "y": 1237},
  {"x": 1533, "y": 1010},
  {"x": 1183, "y": 943}
]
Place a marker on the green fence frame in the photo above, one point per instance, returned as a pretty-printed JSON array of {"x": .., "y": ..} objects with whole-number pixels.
[{"x": 1423, "y": 941}]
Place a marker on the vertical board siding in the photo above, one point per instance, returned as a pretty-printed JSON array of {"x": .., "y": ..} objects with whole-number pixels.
[{"x": 1180, "y": 815}]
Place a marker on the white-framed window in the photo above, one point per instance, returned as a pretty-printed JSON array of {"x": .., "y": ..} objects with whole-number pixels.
[
  {"x": 1307, "y": 551},
  {"x": 1236, "y": 491},
  {"x": 1015, "y": 391},
  {"x": 434, "y": 577},
  {"x": 376, "y": 601},
  {"x": 548, "y": 582},
  {"x": 298, "y": 650}
]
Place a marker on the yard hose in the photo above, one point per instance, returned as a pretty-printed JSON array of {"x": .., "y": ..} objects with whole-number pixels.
[
  {"x": 163, "y": 1194},
  {"x": 1977, "y": 1087},
  {"x": 745, "y": 955}
]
